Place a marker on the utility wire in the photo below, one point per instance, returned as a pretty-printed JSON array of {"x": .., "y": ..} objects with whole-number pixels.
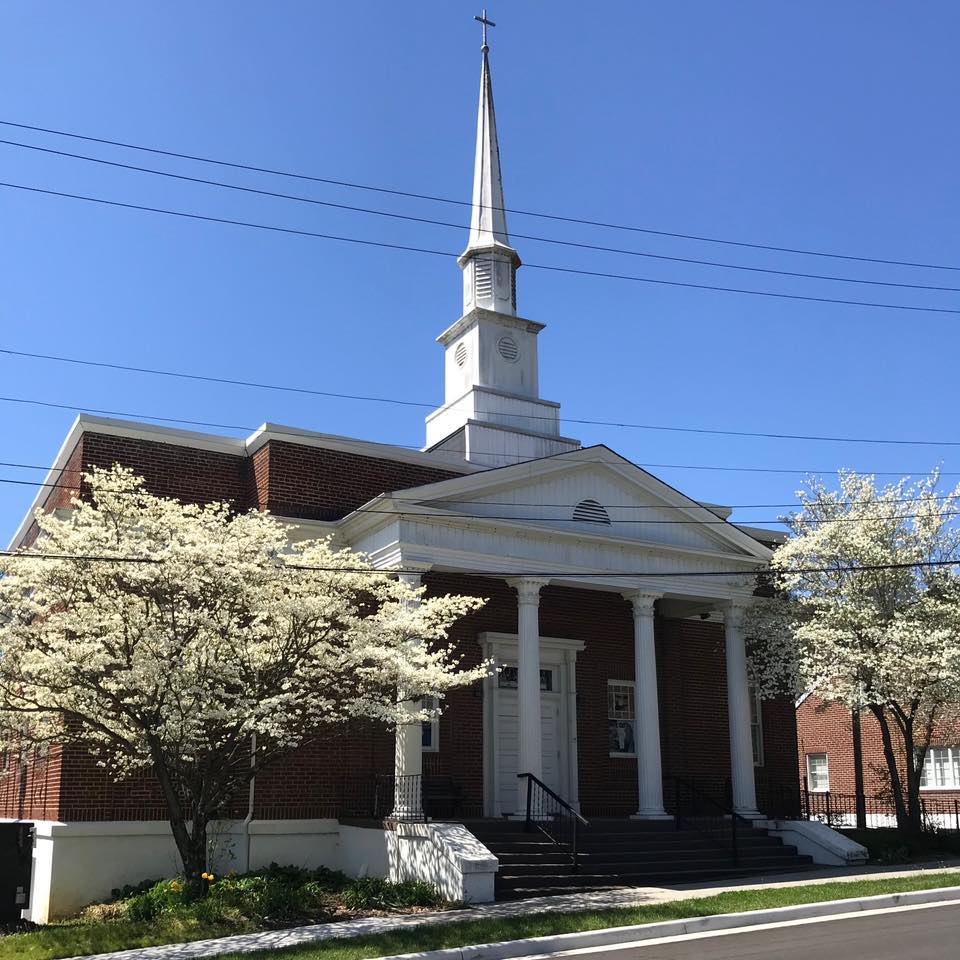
[
  {"x": 152, "y": 371},
  {"x": 849, "y": 568},
  {"x": 575, "y": 271},
  {"x": 300, "y": 437},
  {"x": 459, "y": 515},
  {"x": 459, "y": 226},
  {"x": 560, "y": 506},
  {"x": 464, "y": 203}
]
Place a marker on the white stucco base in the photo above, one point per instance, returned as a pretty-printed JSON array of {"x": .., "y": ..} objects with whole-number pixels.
[
  {"x": 817, "y": 840},
  {"x": 75, "y": 864}
]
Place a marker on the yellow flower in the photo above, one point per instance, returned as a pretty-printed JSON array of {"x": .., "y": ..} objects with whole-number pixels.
[{"x": 175, "y": 886}]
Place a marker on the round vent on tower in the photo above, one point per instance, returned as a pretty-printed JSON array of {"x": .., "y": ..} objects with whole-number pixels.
[
  {"x": 591, "y": 511},
  {"x": 460, "y": 354},
  {"x": 508, "y": 349}
]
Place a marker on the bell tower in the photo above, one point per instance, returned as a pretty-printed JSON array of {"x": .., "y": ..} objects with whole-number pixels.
[{"x": 492, "y": 413}]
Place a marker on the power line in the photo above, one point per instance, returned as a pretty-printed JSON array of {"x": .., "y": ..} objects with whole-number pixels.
[
  {"x": 849, "y": 568},
  {"x": 523, "y": 503},
  {"x": 300, "y": 437},
  {"x": 458, "y": 226},
  {"x": 464, "y": 203},
  {"x": 79, "y": 556},
  {"x": 459, "y": 515},
  {"x": 574, "y": 271},
  {"x": 152, "y": 371}
]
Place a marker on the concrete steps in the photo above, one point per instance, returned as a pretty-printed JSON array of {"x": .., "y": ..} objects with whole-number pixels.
[{"x": 617, "y": 853}]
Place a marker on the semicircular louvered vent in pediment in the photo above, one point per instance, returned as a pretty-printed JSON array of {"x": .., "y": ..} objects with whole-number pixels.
[{"x": 592, "y": 511}]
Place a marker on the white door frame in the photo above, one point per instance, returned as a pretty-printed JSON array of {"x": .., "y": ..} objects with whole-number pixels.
[{"x": 559, "y": 654}]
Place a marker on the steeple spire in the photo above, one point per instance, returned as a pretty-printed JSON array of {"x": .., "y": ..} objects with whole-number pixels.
[
  {"x": 492, "y": 412},
  {"x": 489, "y": 263}
]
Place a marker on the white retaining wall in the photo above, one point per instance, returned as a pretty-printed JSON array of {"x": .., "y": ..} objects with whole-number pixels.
[{"x": 75, "y": 864}]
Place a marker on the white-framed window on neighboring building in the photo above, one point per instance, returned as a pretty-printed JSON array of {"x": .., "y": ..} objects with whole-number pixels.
[
  {"x": 756, "y": 726},
  {"x": 430, "y": 738},
  {"x": 818, "y": 773},
  {"x": 941, "y": 769},
  {"x": 621, "y": 718}
]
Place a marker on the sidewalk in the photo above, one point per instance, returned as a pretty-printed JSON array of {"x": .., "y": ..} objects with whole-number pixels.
[{"x": 570, "y": 903}]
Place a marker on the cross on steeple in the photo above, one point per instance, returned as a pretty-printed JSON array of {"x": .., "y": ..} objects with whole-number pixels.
[{"x": 486, "y": 23}]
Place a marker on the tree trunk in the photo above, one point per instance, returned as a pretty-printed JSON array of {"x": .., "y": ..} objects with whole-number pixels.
[
  {"x": 192, "y": 843},
  {"x": 860, "y": 797},
  {"x": 915, "y": 811},
  {"x": 896, "y": 785}
]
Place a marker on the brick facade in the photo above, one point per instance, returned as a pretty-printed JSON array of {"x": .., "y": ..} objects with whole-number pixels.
[
  {"x": 824, "y": 727},
  {"x": 336, "y": 773}
]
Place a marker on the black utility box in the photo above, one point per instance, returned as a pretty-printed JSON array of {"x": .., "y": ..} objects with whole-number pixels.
[{"x": 16, "y": 861}]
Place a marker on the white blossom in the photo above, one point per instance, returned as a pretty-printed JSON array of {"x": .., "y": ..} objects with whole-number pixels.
[
  {"x": 224, "y": 633},
  {"x": 887, "y": 639}
]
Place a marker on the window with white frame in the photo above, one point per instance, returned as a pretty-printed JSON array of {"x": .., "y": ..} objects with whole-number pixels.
[
  {"x": 430, "y": 738},
  {"x": 621, "y": 718},
  {"x": 756, "y": 726},
  {"x": 818, "y": 773},
  {"x": 941, "y": 769}
]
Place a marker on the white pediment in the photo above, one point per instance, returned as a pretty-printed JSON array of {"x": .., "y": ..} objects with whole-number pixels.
[{"x": 616, "y": 499}]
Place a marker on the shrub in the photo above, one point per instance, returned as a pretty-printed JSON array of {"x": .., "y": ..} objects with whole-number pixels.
[
  {"x": 160, "y": 898},
  {"x": 375, "y": 893}
]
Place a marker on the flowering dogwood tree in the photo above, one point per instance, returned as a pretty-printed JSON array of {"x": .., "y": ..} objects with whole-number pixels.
[
  {"x": 868, "y": 614},
  {"x": 207, "y": 633}
]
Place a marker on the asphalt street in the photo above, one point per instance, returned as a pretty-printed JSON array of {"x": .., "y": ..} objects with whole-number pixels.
[{"x": 927, "y": 933}]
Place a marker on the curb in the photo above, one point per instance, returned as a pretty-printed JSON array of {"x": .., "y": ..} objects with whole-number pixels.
[
  {"x": 625, "y": 937},
  {"x": 613, "y": 937}
]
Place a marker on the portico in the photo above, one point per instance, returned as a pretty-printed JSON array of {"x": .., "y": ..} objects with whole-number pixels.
[{"x": 533, "y": 709}]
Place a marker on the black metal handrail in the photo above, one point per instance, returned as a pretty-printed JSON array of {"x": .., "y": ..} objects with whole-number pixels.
[
  {"x": 553, "y": 817},
  {"x": 399, "y": 798},
  {"x": 714, "y": 820}
]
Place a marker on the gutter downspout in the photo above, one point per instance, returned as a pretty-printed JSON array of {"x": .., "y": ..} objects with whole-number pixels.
[{"x": 250, "y": 799}]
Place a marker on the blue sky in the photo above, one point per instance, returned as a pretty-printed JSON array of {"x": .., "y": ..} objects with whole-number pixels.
[{"x": 812, "y": 125}]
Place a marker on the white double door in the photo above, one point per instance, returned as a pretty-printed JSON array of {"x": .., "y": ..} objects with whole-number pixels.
[
  {"x": 558, "y": 722},
  {"x": 507, "y": 747}
]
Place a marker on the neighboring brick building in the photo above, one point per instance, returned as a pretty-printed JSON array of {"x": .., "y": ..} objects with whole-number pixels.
[
  {"x": 825, "y": 747},
  {"x": 622, "y": 664}
]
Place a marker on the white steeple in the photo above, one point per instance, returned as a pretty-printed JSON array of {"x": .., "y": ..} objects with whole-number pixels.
[
  {"x": 492, "y": 412},
  {"x": 489, "y": 263}
]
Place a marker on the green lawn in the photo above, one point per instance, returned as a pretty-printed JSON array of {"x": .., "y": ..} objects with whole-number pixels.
[{"x": 69, "y": 940}]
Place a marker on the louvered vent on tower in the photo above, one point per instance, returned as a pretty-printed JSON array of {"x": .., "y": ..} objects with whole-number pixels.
[
  {"x": 591, "y": 511},
  {"x": 483, "y": 279}
]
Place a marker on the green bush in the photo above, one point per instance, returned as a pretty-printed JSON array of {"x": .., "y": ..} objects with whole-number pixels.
[
  {"x": 272, "y": 896},
  {"x": 162, "y": 897},
  {"x": 375, "y": 893}
]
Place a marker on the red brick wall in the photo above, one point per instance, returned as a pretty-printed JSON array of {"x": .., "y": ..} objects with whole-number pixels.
[
  {"x": 336, "y": 772},
  {"x": 827, "y": 728},
  {"x": 318, "y": 484},
  {"x": 30, "y": 784}
]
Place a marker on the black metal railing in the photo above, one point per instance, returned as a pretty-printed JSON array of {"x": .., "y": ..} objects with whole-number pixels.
[
  {"x": 399, "y": 798},
  {"x": 839, "y": 810},
  {"x": 553, "y": 817},
  {"x": 711, "y": 818}
]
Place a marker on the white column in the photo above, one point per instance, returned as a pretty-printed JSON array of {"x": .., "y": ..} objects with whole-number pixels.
[
  {"x": 408, "y": 754},
  {"x": 738, "y": 712},
  {"x": 646, "y": 709},
  {"x": 530, "y": 759}
]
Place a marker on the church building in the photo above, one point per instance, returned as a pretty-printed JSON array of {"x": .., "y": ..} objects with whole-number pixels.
[{"x": 617, "y": 629}]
